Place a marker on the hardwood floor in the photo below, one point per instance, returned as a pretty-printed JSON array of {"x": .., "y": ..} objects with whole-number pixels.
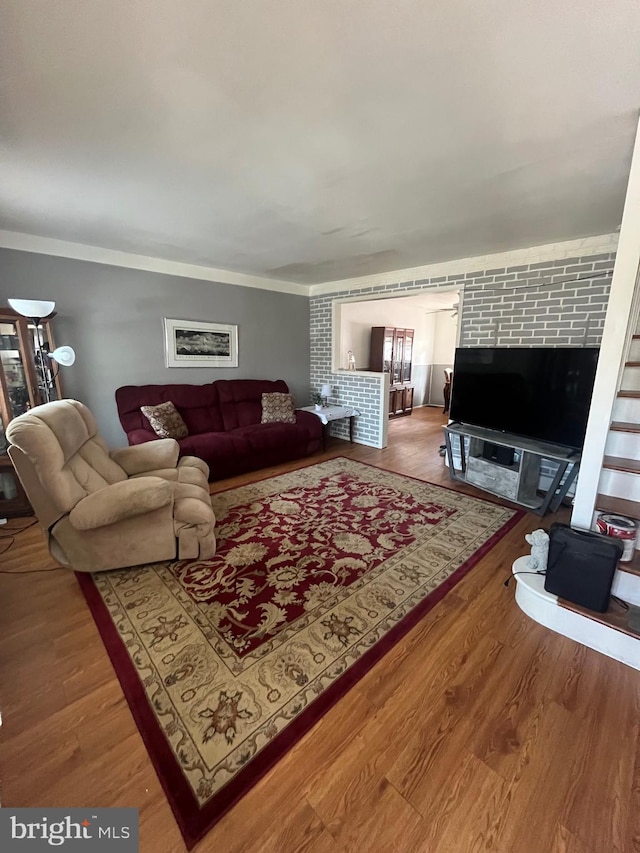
[{"x": 480, "y": 730}]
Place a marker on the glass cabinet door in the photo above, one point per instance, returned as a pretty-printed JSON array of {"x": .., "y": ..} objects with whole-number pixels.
[
  {"x": 17, "y": 394},
  {"x": 398, "y": 357},
  {"x": 408, "y": 356},
  {"x": 28, "y": 377},
  {"x": 46, "y": 369},
  {"x": 387, "y": 351}
]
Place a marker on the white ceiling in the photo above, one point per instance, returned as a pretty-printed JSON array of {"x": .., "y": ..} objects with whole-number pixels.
[{"x": 312, "y": 141}]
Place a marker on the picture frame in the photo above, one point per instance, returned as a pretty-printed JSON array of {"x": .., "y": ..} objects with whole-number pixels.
[{"x": 193, "y": 343}]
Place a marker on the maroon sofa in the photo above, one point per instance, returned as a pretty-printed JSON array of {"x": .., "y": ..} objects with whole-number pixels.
[{"x": 223, "y": 419}]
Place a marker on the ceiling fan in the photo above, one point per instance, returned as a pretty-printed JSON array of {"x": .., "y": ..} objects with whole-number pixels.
[{"x": 453, "y": 310}]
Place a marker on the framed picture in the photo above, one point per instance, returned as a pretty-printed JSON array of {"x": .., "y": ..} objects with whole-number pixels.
[{"x": 191, "y": 343}]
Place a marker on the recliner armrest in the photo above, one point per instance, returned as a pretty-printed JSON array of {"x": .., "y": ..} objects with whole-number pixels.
[
  {"x": 118, "y": 501},
  {"x": 151, "y": 456}
]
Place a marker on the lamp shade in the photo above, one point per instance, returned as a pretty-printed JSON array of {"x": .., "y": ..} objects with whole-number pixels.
[
  {"x": 32, "y": 307},
  {"x": 63, "y": 355},
  {"x": 325, "y": 391}
]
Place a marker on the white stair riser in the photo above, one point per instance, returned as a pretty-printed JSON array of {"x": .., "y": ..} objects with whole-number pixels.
[
  {"x": 631, "y": 379},
  {"x": 634, "y": 351},
  {"x": 626, "y": 409},
  {"x": 620, "y": 484},
  {"x": 627, "y": 587},
  {"x": 624, "y": 444}
]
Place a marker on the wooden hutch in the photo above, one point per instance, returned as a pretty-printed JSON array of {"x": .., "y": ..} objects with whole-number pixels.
[{"x": 392, "y": 352}]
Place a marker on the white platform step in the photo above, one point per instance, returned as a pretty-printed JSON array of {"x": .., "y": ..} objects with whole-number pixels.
[{"x": 543, "y": 607}]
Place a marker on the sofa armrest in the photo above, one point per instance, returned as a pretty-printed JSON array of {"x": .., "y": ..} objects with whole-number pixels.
[
  {"x": 141, "y": 436},
  {"x": 121, "y": 500},
  {"x": 150, "y": 456}
]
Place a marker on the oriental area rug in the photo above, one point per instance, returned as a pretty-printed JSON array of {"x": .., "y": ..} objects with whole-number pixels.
[{"x": 227, "y": 662}]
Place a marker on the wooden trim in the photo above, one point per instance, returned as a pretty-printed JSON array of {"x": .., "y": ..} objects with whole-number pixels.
[
  {"x": 617, "y": 463},
  {"x": 28, "y": 361},
  {"x": 620, "y": 506},
  {"x": 615, "y": 617},
  {"x": 625, "y": 426},
  {"x": 5, "y": 413}
]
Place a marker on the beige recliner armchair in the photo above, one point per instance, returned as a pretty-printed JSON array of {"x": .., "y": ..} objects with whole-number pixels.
[{"x": 104, "y": 510}]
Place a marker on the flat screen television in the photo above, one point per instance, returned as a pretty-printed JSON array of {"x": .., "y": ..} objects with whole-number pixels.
[{"x": 543, "y": 393}]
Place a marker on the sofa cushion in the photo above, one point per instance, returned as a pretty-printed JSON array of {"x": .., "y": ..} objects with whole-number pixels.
[
  {"x": 278, "y": 409},
  {"x": 251, "y": 447},
  {"x": 165, "y": 420},
  {"x": 224, "y": 424},
  {"x": 241, "y": 399}
]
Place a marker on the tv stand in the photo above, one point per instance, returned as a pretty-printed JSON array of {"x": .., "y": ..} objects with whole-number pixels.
[{"x": 509, "y": 466}]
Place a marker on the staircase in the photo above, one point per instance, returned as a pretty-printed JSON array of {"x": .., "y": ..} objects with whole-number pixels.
[
  {"x": 605, "y": 632},
  {"x": 619, "y": 486},
  {"x": 619, "y": 493}
]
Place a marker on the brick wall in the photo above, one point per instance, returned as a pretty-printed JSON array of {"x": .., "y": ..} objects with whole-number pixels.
[{"x": 539, "y": 303}]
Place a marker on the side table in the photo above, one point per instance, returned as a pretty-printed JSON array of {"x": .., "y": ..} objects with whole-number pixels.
[{"x": 333, "y": 413}]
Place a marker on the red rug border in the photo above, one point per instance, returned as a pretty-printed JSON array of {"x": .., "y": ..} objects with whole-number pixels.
[{"x": 195, "y": 822}]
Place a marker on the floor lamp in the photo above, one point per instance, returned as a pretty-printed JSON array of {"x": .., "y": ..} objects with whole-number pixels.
[{"x": 36, "y": 310}]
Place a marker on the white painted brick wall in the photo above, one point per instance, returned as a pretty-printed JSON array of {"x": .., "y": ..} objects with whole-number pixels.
[{"x": 534, "y": 304}]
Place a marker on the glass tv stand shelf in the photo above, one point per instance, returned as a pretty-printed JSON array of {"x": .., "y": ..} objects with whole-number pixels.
[{"x": 509, "y": 466}]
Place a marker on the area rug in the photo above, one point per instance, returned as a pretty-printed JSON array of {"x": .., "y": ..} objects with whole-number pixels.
[{"x": 227, "y": 662}]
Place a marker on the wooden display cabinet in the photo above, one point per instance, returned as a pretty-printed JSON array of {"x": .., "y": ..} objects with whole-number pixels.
[
  {"x": 22, "y": 386},
  {"x": 392, "y": 352},
  {"x": 400, "y": 401}
]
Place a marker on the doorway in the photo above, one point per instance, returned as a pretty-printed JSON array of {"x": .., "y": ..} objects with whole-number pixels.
[{"x": 434, "y": 317}]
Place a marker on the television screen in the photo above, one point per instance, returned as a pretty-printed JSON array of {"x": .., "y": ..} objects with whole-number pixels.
[{"x": 542, "y": 393}]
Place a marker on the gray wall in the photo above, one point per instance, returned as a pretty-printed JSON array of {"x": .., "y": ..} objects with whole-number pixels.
[{"x": 112, "y": 317}]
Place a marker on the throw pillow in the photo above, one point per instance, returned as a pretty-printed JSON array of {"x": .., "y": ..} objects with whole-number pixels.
[
  {"x": 278, "y": 408},
  {"x": 165, "y": 420}
]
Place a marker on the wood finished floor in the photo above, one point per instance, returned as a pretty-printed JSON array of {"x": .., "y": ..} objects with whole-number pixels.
[{"x": 479, "y": 731}]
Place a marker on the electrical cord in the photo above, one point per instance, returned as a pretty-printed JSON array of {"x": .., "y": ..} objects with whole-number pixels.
[
  {"x": 620, "y": 602},
  {"x": 10, "y": 535},
  {"x": 513, "y": 574},
  {"x": 12, "y": 532},
  {"x": 535, "y": 285}
]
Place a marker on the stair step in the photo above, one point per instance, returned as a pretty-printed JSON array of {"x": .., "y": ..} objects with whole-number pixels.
[
  {"x": 625, "y": 426},
  {"x": 633, "y": 566},
  {"x": 568, "y": 620},
  {"x": 615, "y": 617},
  {"x": 631, "y": 394},
  {"x": 618, "y": 506},
  {"x": 617, "y": 463}
]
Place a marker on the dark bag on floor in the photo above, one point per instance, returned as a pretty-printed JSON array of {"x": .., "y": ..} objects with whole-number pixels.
[{"x": 580, "y": 566}]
